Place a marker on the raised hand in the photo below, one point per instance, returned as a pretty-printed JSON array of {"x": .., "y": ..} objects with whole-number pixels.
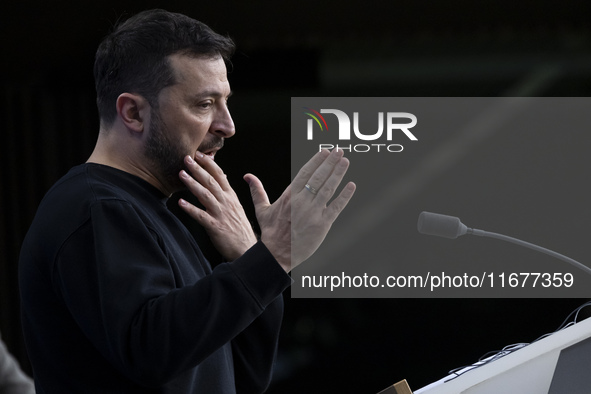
[
  {"x": 295, "y": 225},
  {"x": 223, "y": 218}
]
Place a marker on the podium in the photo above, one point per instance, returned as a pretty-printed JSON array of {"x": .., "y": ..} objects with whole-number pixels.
[
  {"x": 398, "y": 388},
  {"x": 557, "y": 364}
]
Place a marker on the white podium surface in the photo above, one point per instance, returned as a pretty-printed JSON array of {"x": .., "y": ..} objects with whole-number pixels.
[{"x": 528, "y": 370}]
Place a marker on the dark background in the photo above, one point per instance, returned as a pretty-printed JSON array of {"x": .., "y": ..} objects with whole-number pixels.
[{"x": 48, "y": 123}]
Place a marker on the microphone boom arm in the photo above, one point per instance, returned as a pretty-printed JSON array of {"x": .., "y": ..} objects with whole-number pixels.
[{"x": 482, "y": 233}]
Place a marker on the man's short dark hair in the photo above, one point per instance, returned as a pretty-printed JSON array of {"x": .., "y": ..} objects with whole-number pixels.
[{"x": 133, "y": 58}]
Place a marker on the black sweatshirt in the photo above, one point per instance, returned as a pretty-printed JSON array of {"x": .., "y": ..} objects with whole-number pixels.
[{"x": 117, "y": 297}]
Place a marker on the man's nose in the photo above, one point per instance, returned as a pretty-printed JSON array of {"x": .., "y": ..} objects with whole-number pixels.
[{"x": 223, "y": 125}]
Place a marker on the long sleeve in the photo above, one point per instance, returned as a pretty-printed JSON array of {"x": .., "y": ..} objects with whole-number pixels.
[
  {"x": 124, "y": 287},
  {"x": 254, "y": 349},
  {"x": 117, "y": 296}
]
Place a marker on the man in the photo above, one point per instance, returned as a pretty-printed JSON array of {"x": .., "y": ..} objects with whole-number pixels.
[{"x": 117, "y": 296}]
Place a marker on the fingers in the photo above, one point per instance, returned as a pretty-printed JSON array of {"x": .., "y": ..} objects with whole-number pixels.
[
  {"x": 324, "y": 181},
  {"x": 198, "y": 214},
  {"x": 205, "y": 195},
  {"x": 208, "y": 173},
  {"x": 206, "y": 180},
  {"x": 339, "y": 203},
  {"x": 222, "y": 215},
  {"x": 327, "y": 190},
  {"x": 257, "y": 191},
  {"x": 308, "y": 169}
]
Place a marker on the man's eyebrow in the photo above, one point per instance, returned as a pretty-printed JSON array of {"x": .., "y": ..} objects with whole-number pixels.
[{"x": 209, "y": 93}]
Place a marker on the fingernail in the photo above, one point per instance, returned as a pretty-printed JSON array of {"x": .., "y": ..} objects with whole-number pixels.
[
  {"x": 184, "y": 174},
  {"x": 182, "y": 202},
  {"x": 190, "y": 160}
]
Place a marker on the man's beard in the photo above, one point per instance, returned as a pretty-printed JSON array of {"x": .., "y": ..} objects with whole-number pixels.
[{"x": 167, "y": 156}]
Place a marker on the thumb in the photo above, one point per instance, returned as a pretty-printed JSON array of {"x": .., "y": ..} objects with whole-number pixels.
[{"x": 257, "y": 191}]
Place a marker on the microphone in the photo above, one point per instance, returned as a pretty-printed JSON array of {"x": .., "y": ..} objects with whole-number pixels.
[
  {"x": 441, "y": 225},
  {"x": 451, "y": 227}
]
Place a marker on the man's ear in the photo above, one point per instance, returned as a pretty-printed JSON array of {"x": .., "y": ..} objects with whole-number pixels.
[{"x": 133, "y": 111}]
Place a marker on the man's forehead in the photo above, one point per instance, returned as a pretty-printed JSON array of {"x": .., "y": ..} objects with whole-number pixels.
[{"x": 193, "y": 67}]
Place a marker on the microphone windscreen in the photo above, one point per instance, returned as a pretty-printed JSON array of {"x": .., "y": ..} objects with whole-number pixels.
[{"x": 440, "y": 225}]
